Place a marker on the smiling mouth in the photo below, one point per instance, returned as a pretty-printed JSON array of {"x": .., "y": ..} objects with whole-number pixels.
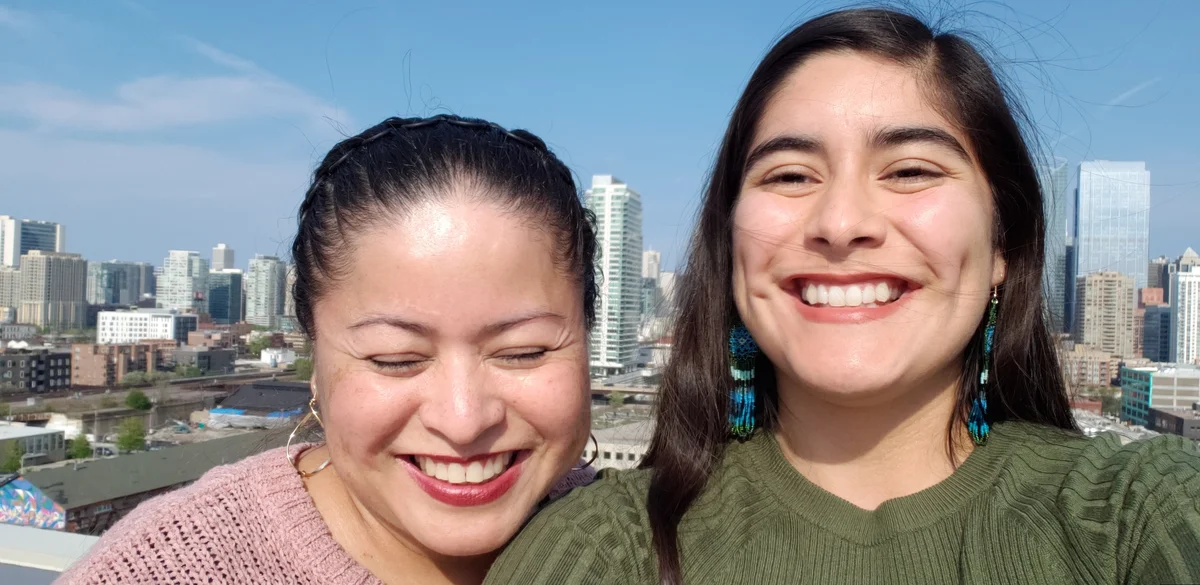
[
  {"x": 458, "y": 471},
  {"x": 866, "y": 293}
]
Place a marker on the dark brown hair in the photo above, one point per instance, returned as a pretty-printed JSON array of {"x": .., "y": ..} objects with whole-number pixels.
[
  {"x": 692, "y": 425},
  {"x": 401, "y": 162}
]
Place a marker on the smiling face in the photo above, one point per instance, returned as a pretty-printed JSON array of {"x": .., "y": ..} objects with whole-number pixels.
[
  {"x": 451, "y": 374},
  {"x": 863, "y": 238}
]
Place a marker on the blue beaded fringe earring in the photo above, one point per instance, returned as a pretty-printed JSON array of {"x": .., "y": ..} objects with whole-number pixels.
[
  {"x": 977, "y": 424},
  {"x": 743, "y": 353}
]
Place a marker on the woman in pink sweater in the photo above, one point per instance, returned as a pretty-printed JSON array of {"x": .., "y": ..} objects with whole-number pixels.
[{"x": 444, "y": 271}]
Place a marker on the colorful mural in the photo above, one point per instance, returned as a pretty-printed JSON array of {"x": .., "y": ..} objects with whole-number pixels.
[{"x": 23, "y": 504}]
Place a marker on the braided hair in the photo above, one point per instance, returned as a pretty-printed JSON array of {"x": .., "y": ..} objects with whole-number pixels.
[{"x": 402, "y": 162}]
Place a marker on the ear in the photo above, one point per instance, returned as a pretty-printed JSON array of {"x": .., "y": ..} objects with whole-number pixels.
[{"x": 999, "y": 269}]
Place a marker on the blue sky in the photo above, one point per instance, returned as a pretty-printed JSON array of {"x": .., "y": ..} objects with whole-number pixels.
[{"x": 152, "y": 126}]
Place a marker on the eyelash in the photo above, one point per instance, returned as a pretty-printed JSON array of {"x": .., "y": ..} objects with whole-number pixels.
[
  {"x": 409, "y": 364},
  {"x": 921, "y": 173}
]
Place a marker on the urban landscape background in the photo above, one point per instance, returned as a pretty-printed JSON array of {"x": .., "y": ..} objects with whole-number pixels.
[{"x": 153, "y": 160}]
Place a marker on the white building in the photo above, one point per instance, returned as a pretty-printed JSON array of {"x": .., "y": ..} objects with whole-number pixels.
[
  {"x": 21, "y": 236},
  {"x": 52, "y": 290},
  {"x": 16, "y": 332},
  {"x": 10, "y": 287},
  {"x": 184, "y": 282},
  {"x": 222, "y": 258},
  {"x": 143, "y": 324},
  {"x": 621, "y": 447},
  {"x": 651, "y": 264},
  {"x": 265, "y": 283},
  {"x": 276, "y": 357},
  {"x": 618, "y": 212},
  {"x": 1185, "y": 317}
]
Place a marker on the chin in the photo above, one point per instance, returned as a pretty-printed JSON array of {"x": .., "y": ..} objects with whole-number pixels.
[{"x": 467, "y": 537}]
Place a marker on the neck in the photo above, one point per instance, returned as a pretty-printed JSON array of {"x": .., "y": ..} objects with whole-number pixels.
[
  {"x": 869, "y": 453},
  {"x": 383, "y": 550}
]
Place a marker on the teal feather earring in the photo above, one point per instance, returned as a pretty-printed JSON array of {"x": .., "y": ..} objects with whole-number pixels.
[
  {"x": 977, "y": 424},
  {"x": 743, "y": 353}
]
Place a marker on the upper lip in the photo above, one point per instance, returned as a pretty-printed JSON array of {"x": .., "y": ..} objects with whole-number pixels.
[
  {"x": 461, "y": 460},
  {"x": 798, "y": 279}
]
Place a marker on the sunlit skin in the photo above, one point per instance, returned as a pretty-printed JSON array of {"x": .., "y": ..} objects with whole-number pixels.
[
  {"x": 855, "y": 176},
  {"x": 454, "y": 333}
]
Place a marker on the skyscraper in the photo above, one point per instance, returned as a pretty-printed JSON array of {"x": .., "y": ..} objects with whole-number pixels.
[
  {"x": 184, "y": 282},
  {"x": 289, "y": 301},
  {"x": 21, "y": 236},
  {"x": 1104, "y": 312},
  {"x": 1053, "y": 181},
  {"x": 265, "y": 284},
  {"x": 1185, "y": 317},
  {"x": 52, "y": 290},
  {"x": 225, "y": 296},
  {"x": 10, "y": 288},
  {"x": 222, "y": 258},
  {"x": 618, "y": 212},
  {"x": 1112, "y": 219},
  {"x": 116, "y": 283},
  {"x": 1156, "y": 333},
  {"x": 651, "y": 264},
  {"x": 1155, "y": 272}
]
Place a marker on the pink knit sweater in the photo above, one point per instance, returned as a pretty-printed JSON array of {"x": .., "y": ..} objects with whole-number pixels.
[{"x": 249, "y": 523}]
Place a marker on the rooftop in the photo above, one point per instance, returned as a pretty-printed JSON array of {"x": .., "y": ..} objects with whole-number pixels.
[
  {"x": 35, "y": 556},
  {"x": 1184, "y": 413},
  {"x": 269, "y": 396},
  {"x": 11, "y": 431},
  {"x": 101, "y": 480},
  {"x": 635, "y": 433}
]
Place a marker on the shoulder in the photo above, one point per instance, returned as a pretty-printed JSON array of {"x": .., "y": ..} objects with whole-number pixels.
[
  {"x": 223, "y": 511},
  {"x": 598, "y": 533}
]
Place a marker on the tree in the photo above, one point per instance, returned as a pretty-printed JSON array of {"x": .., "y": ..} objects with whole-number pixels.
[
  {"x": 138, "y": 400},
  {"x": 256, "y": 347},
  {"x": 81, "y": 448},
  {"x": 12, "y": 457},
  {"x": 131, "y": 435},
  {"x": 304, "y": 369},
  {"x": 616, "y": 398},
  {"x": 134, "y": 379}
]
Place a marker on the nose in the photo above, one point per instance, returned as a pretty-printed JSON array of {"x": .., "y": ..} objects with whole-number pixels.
[
  {"x": 460, "y": 404},
  {"x": 845, "y": 217}
]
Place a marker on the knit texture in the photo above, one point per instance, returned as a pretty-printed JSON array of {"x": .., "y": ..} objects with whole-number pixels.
[
  {"x": 248, "y": 523},
  {"x": 1033, "y": 506}
]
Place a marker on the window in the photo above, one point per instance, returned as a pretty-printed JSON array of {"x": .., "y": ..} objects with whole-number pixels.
[
  {"x": 102, "y": 508},
  {"x": 608, "y": 455},
  {"x": 620, "y": 456}
]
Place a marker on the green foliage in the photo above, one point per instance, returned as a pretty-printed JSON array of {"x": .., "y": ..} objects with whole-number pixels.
[
  {"x": 616, "y": 398},
  {"x": 186, "y": 371},
  {"x": 304, "y": 369},
  {"x": 256, "y": 347},
  {"x": 109, "y": 402},
  {"x": 81, "y": 448},
  {"x": 12, "y": 457},
  {"x": 5, "y": 409},
  {"x": 131, "y": 435},
  {"x": 138, "y": 400}
]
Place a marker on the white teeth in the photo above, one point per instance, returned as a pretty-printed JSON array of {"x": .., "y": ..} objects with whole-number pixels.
[
  {"x": 837, "y": 296},
  {"x": 870, "y": 295},
  {"x": 882, "y": 292},
  {"x": 478, "y": 471}
]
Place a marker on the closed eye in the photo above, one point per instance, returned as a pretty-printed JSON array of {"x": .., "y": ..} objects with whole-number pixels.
[
  {"x": 788, "y": 177},
  {"x": 399, "y": 366},
  {"x": 911, "y": 174},
  {"x": 525, "y": 357}
]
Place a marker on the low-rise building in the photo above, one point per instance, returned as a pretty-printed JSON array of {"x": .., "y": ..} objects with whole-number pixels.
[
  {"x": 106, "y": 365},
  {"x": 210, "y": 360},
  {"x": 98, "y": 493},
  {"x": 276, "y": 357},
  {"x": 211, "y": 338},
  {"x": 141, "y": 324},
  {"x": 34, "y": 370},
  {"x": 1084, "y": 366},
  {"x": 620, "y": 447},
  {"x": 38, "y": 445},
  {"x": 1167, "y": 386},
  {"x": 263, "y": 405},
  {"x": 1177, "y": 421},
  {"x": 16, "y": 332}
]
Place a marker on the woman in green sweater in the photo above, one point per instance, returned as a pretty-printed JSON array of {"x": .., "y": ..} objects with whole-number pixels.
[{"x": 863, "y": 387}]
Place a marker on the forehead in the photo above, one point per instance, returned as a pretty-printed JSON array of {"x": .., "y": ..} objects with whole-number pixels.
[
  {"x": 850, "y": 91},
  {"x": 452, "y": 263}
]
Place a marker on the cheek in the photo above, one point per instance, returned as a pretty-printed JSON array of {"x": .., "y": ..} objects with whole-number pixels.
[
  {"x": 553, "y": 401},
  {"x": 363, "y": 412},
  {"x": 763, "y": 225},
  {"x": 945, "y": 227}
]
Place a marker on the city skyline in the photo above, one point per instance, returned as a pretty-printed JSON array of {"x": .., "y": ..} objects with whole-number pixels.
[{"x": 227, "y": 123}]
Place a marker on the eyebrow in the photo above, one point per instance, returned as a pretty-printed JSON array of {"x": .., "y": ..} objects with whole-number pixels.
[
  {"x": 426, "y": 331},
  {"x": 886, "y": 138}
]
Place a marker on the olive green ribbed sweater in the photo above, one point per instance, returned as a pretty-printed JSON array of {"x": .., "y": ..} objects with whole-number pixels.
[{"x": 1033, "y": 506}]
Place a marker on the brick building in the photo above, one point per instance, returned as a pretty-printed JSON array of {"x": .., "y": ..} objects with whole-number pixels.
[{"x": 106, "y": 365}]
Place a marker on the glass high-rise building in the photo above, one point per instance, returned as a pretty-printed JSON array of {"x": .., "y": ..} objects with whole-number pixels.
[
  {"x": 184, "y": 282},
  {"x": 22, "y": 236},
  {"x": 265, "y": 294},
  {"x": 618, "y": 212},
  {"x": 117, "y": 283},
  {"x": 1112, "y": 219},
  {"x": 225, "y": 296},
  {"x": 1053, "y": 181},
  {"x": 222, "y": 258}
]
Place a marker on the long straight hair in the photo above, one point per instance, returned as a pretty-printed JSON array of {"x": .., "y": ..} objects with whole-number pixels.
[{"x": 692, "y": 425}]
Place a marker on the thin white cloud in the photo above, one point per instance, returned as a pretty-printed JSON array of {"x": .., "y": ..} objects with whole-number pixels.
[
  {"x": 170, "y": 101},
  {"x": 13, "y": 19},
  {"x": 1125, "y": 95}
]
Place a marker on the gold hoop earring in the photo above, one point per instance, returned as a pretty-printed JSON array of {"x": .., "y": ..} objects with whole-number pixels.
[
  {"x": 295, "y": 463},
  {"x": 595, "y": 454}
]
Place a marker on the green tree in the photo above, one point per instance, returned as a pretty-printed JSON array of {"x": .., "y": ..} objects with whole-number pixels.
[
  {"x": 616, "y": 398},
  {"x": 138, "y": 399},
  {"x": 81, "y": 448},
  {"x": 12, "y": 457},
  {"x": 134, "y": 379},
  {"x": 256, "y": 347},
  {"x": 304, "y": 369},
  {"x": 131, "y": 435}
]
